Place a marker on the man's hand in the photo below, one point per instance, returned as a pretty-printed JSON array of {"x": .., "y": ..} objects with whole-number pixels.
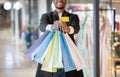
[
  {"x": 55, "y": 25},
  {"x": 65, "y": 27},
  {"x": 62, "y": 25}
]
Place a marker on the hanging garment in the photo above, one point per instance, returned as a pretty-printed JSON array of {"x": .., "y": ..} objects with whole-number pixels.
[
  {"x": 105, "y": 35},
  {"x": 85, "y": 41}
]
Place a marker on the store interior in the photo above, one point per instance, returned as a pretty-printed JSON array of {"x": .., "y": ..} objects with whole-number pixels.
[{"x": 19, "y": 29}]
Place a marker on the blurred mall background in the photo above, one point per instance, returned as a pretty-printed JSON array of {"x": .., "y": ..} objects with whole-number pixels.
[{"x": 19, "y": 28}]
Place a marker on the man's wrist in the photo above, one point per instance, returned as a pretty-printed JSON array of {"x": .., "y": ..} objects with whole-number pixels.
[
  {"x": 71, "y": 30},
  {"x": 48, "y": 27}
]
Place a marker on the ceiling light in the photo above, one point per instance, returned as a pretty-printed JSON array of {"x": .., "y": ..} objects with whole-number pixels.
[{"x": 7, "y": 5}]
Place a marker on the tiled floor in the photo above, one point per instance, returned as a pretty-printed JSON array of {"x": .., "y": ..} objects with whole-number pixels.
[{"x": 13, "y": 63}]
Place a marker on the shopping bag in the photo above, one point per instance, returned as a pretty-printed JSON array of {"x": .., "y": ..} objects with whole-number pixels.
[
  {"x": 57, "y": 54},
  {"x": 40, "y": 50},
  {"x": 53, "y": 58},
  {"x": 67, "y": 59},
  {"x": 75, "y": 53},
  {"x": 48, "y": 57},
  {"x": 30, "y": 52}
]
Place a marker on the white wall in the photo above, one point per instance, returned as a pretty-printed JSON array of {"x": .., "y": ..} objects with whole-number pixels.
[{"x": 42, "y": 7}]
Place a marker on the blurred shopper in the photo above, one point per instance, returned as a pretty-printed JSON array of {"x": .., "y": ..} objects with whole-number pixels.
[{"x": 28, "y": 35}]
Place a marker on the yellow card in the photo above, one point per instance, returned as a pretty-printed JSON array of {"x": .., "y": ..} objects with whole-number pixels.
[{"x": 65, "y": 19}]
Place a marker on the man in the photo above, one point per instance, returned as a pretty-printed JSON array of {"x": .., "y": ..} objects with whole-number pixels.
[{"x": 50, "y": 21}]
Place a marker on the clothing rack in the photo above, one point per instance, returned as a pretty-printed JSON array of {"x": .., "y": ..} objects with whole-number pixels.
[
  {"x": 113, "y": 10},
  {"x": 93, "y": 10}
]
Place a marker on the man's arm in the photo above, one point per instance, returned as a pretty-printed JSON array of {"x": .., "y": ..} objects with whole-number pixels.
[
  {"x": 75, "y": 24},
  {"x": 44, "y": 21},
  {"x": 73, "y": 27}
]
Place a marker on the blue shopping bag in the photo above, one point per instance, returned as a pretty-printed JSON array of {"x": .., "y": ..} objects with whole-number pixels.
[
  {"x": 67, "y": 59},
  {"x": 40, "y": 51},
  {"x": 30, "y": 51}
]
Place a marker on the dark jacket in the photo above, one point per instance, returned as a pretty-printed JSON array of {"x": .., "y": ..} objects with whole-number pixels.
[{"x": 49, "y": 18}]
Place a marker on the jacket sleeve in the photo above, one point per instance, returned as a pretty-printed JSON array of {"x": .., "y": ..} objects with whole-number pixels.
[
  {"x": 44, "y": 22},
  {"x": 75, "y": 23}
]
